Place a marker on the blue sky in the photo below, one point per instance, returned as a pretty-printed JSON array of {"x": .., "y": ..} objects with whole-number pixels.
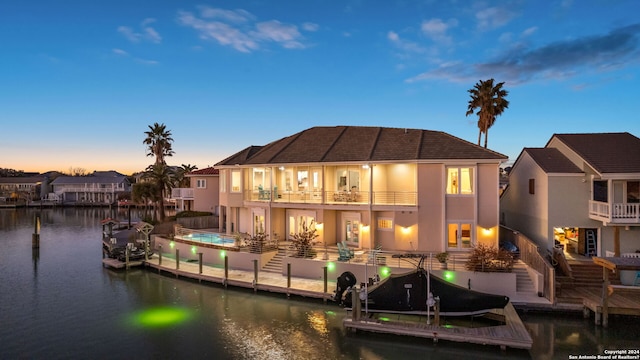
[{"x": 82, "y": 80}]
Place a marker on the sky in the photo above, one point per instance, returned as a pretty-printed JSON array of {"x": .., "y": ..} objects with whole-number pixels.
[{"x": 81, "y": 81}]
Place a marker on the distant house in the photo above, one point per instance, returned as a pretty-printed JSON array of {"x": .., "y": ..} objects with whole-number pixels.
[
  {"x": 99, "y": 188},
  {"x": 203, "y": 195},
  {"x": 26, "y": 188},
  {"x": 400, "y": 189},
  {"x": 580, "y": 192}
]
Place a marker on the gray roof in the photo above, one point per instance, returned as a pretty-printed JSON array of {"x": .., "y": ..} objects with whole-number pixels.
[
  {"x": 89, "y": 180},
  {"x": 551, "y": 160},
  {"x": 21, "y": 179},
  {"x": 606, "y": 152},
  {"x": 361, "y": 144}
]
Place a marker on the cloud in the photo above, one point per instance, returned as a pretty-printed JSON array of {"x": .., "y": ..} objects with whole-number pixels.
[
  {"x": 120, "y": 52},
  {"x": 238, "y": 29},
  {"x": 404, "y": 45},
  {"x": 436, "y": 29},
  {"x": 494, "y": 17},
  {"x": 147, "y": 33},
  {"x": 559, "y": 60},
  {"x": 146, "y": 62},
  {"x": 309, "y": 26}
]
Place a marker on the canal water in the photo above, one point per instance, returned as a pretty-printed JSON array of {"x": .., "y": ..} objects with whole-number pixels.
[{"x": 60, "y": 303}]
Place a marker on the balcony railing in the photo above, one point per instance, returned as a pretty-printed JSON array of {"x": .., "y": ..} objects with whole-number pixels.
[
  {"x": 88, "y": 189},
  {"x": 405, "y": 198},
  {"x": 182, "y": 193},
  {"x": 623, "y": 213}
]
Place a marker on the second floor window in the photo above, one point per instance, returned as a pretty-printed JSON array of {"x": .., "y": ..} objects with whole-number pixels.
[
  {"x": 460, "y": 180},
  {"x": 236, "y": 181},
  {"x": 201, "y": 184}
]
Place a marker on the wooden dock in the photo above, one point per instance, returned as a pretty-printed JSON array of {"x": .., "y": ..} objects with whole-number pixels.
[
  {"x": 117, "y": 264},
  {"x": 512, "y": 334}
]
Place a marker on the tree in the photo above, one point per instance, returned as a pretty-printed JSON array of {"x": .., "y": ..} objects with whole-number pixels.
[
  {"x": 162, "y": 178},
  {"x": 142, "y": 192},
  {"x": 181, "y": 180},
  {"x": 158, "y": 142},
  {"x": 490, "y": 102}
]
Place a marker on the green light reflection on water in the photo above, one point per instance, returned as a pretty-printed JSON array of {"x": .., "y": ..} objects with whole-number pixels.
[{"x": 160, "y": 317}]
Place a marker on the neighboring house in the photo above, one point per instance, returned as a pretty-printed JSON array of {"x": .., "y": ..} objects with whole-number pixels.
[
  {"x": 203, "y": 195},
  {"x": 99, "y": 188},
  {"x": 26, "y": 188},
  {"x": 400, "y": 189},
  {"x": 579, "y": 192}
]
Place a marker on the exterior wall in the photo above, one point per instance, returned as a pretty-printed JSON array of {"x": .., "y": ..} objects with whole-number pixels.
[
  {"x": 526, "y": 212},
  {"x": 488, "y": 204},
  {"x": 431, "y": 217},
  {"x": 568, "y": 204},
  {"x": 206, "y": 199}
]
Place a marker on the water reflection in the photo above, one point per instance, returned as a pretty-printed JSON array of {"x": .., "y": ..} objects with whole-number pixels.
[{"x": 61, "y": 295}]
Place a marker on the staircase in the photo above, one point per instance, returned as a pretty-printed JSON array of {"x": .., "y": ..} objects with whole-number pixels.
[
  {"x": 275, "y": 264},
  {"x": 524, "y": 284},
  {"x": 585, "y": 274}
]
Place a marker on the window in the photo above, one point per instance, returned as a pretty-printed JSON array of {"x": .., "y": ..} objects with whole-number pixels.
[
  {"x": 303, "y": 179},
  {"x": 201, "y": 184},
  {"x": 385, "y": 224},
  {"x": 633, "y": 191},
  {"x": 223, "y": 180},
  {"x": 532, "y": 186},
  {"x": 459, "y": 181},
  {"x": 600, "y": 191},
  {"x": 236, "y": 181}
]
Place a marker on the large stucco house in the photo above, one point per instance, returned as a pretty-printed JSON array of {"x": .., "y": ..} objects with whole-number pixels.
[
  {"x": 579, "y": 192},
  {"x": 398, "y": 189}
]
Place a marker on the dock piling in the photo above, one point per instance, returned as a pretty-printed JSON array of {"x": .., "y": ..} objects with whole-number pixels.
[
  {"x": 200, "y": 262},
  {"x": 255, "y": 275}
]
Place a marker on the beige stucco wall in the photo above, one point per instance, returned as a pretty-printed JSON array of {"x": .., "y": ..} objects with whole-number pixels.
[
  {"x": 431, "y": 208},
  {"x": 206, "y": 199}
]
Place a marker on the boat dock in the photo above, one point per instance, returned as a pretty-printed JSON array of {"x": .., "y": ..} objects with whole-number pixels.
[
  {"x": 512, "y": 334},
  {"x": 117, "y": 264}
]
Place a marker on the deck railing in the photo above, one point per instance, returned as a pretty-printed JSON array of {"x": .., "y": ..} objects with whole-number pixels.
[
  {"x": 615, "y": 212},
  {"x": 530, "y": 254},
  {"x": 182, "y": 193},
  {"x": 406, "y": 198}
]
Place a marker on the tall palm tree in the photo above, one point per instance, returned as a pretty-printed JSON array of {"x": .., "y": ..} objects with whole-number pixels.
[
  {"x": 162, "y": 177},
  {"x": 490, "y": 102},
  {"x": 158, "y": 142}
]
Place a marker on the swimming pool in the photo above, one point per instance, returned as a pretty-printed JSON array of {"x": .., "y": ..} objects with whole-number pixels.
[{"x": 208, "y": 238}]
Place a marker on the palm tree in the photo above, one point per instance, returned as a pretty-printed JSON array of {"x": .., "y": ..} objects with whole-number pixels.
[
  {"x": 181, "y": 180},
  {"x": 142, "y": 192},
  {"x": 162, "y": 178},
  {"x": 159, "y": 142},
  {"x": 490, "y": 102}
]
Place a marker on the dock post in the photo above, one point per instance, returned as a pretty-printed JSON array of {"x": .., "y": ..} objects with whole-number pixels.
[
  {"x": 605, "y": 297},
  {"x": 160, "y": 255},
  {"x": 226, "y": 270},
  {"x": 324, "y": 296},
  {"x": 436, "y": 312},
  {"x": 35, "y": 238},
  {"x": 355, "y": 304},
  {"x": 200, "y": 261},
  {"x": 177, "y": 259},
  {"x": 288, "y": 279},
  {"x": 255, "y": 275},
  {"x": 126, "y": 257}
]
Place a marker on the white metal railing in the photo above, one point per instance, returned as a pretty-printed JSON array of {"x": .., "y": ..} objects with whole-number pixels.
[
  {"x": 60, "y": 189},
  {"x": 615, "y": 212},
  {"x": 182, "y": 193}
]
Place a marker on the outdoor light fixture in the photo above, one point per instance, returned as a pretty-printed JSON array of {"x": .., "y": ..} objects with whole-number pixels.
[
  {"x": 385, "y": 271},
  {"x": 223, "y": 254},
  {"x": 172, "y": 244},
  {"x": 449, "y": 276},
  {"x": 194, "y": 249},
  {"x": 331, "y": 266},
  {"x": 281, "y": 168},
  {"x": 365, "y": 166},
  {"x": 406, "y": 230}
]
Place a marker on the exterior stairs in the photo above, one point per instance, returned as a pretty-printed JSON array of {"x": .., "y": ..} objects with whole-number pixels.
[
  {"x": 524, "y": 284},
  {"x": 275, "y": 264},
  {"x": 585, "y": 274}
]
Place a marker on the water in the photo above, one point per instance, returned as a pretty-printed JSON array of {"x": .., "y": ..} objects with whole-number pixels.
[{"x": 60, "y": 303}]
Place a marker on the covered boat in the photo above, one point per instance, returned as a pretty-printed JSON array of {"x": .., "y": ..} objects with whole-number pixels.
[{"x": 415, "y": 291}]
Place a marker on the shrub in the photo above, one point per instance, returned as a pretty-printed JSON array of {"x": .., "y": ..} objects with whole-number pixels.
[
  {"x": 303, "y": 241},
  {"x": 489, "y": 259}
]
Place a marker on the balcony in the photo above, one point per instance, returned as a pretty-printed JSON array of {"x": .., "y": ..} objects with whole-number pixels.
[
  {"x": 616, "y": 213},
  {"x": 400, "y": 198},
  {"x": 182, "y": 193}
]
